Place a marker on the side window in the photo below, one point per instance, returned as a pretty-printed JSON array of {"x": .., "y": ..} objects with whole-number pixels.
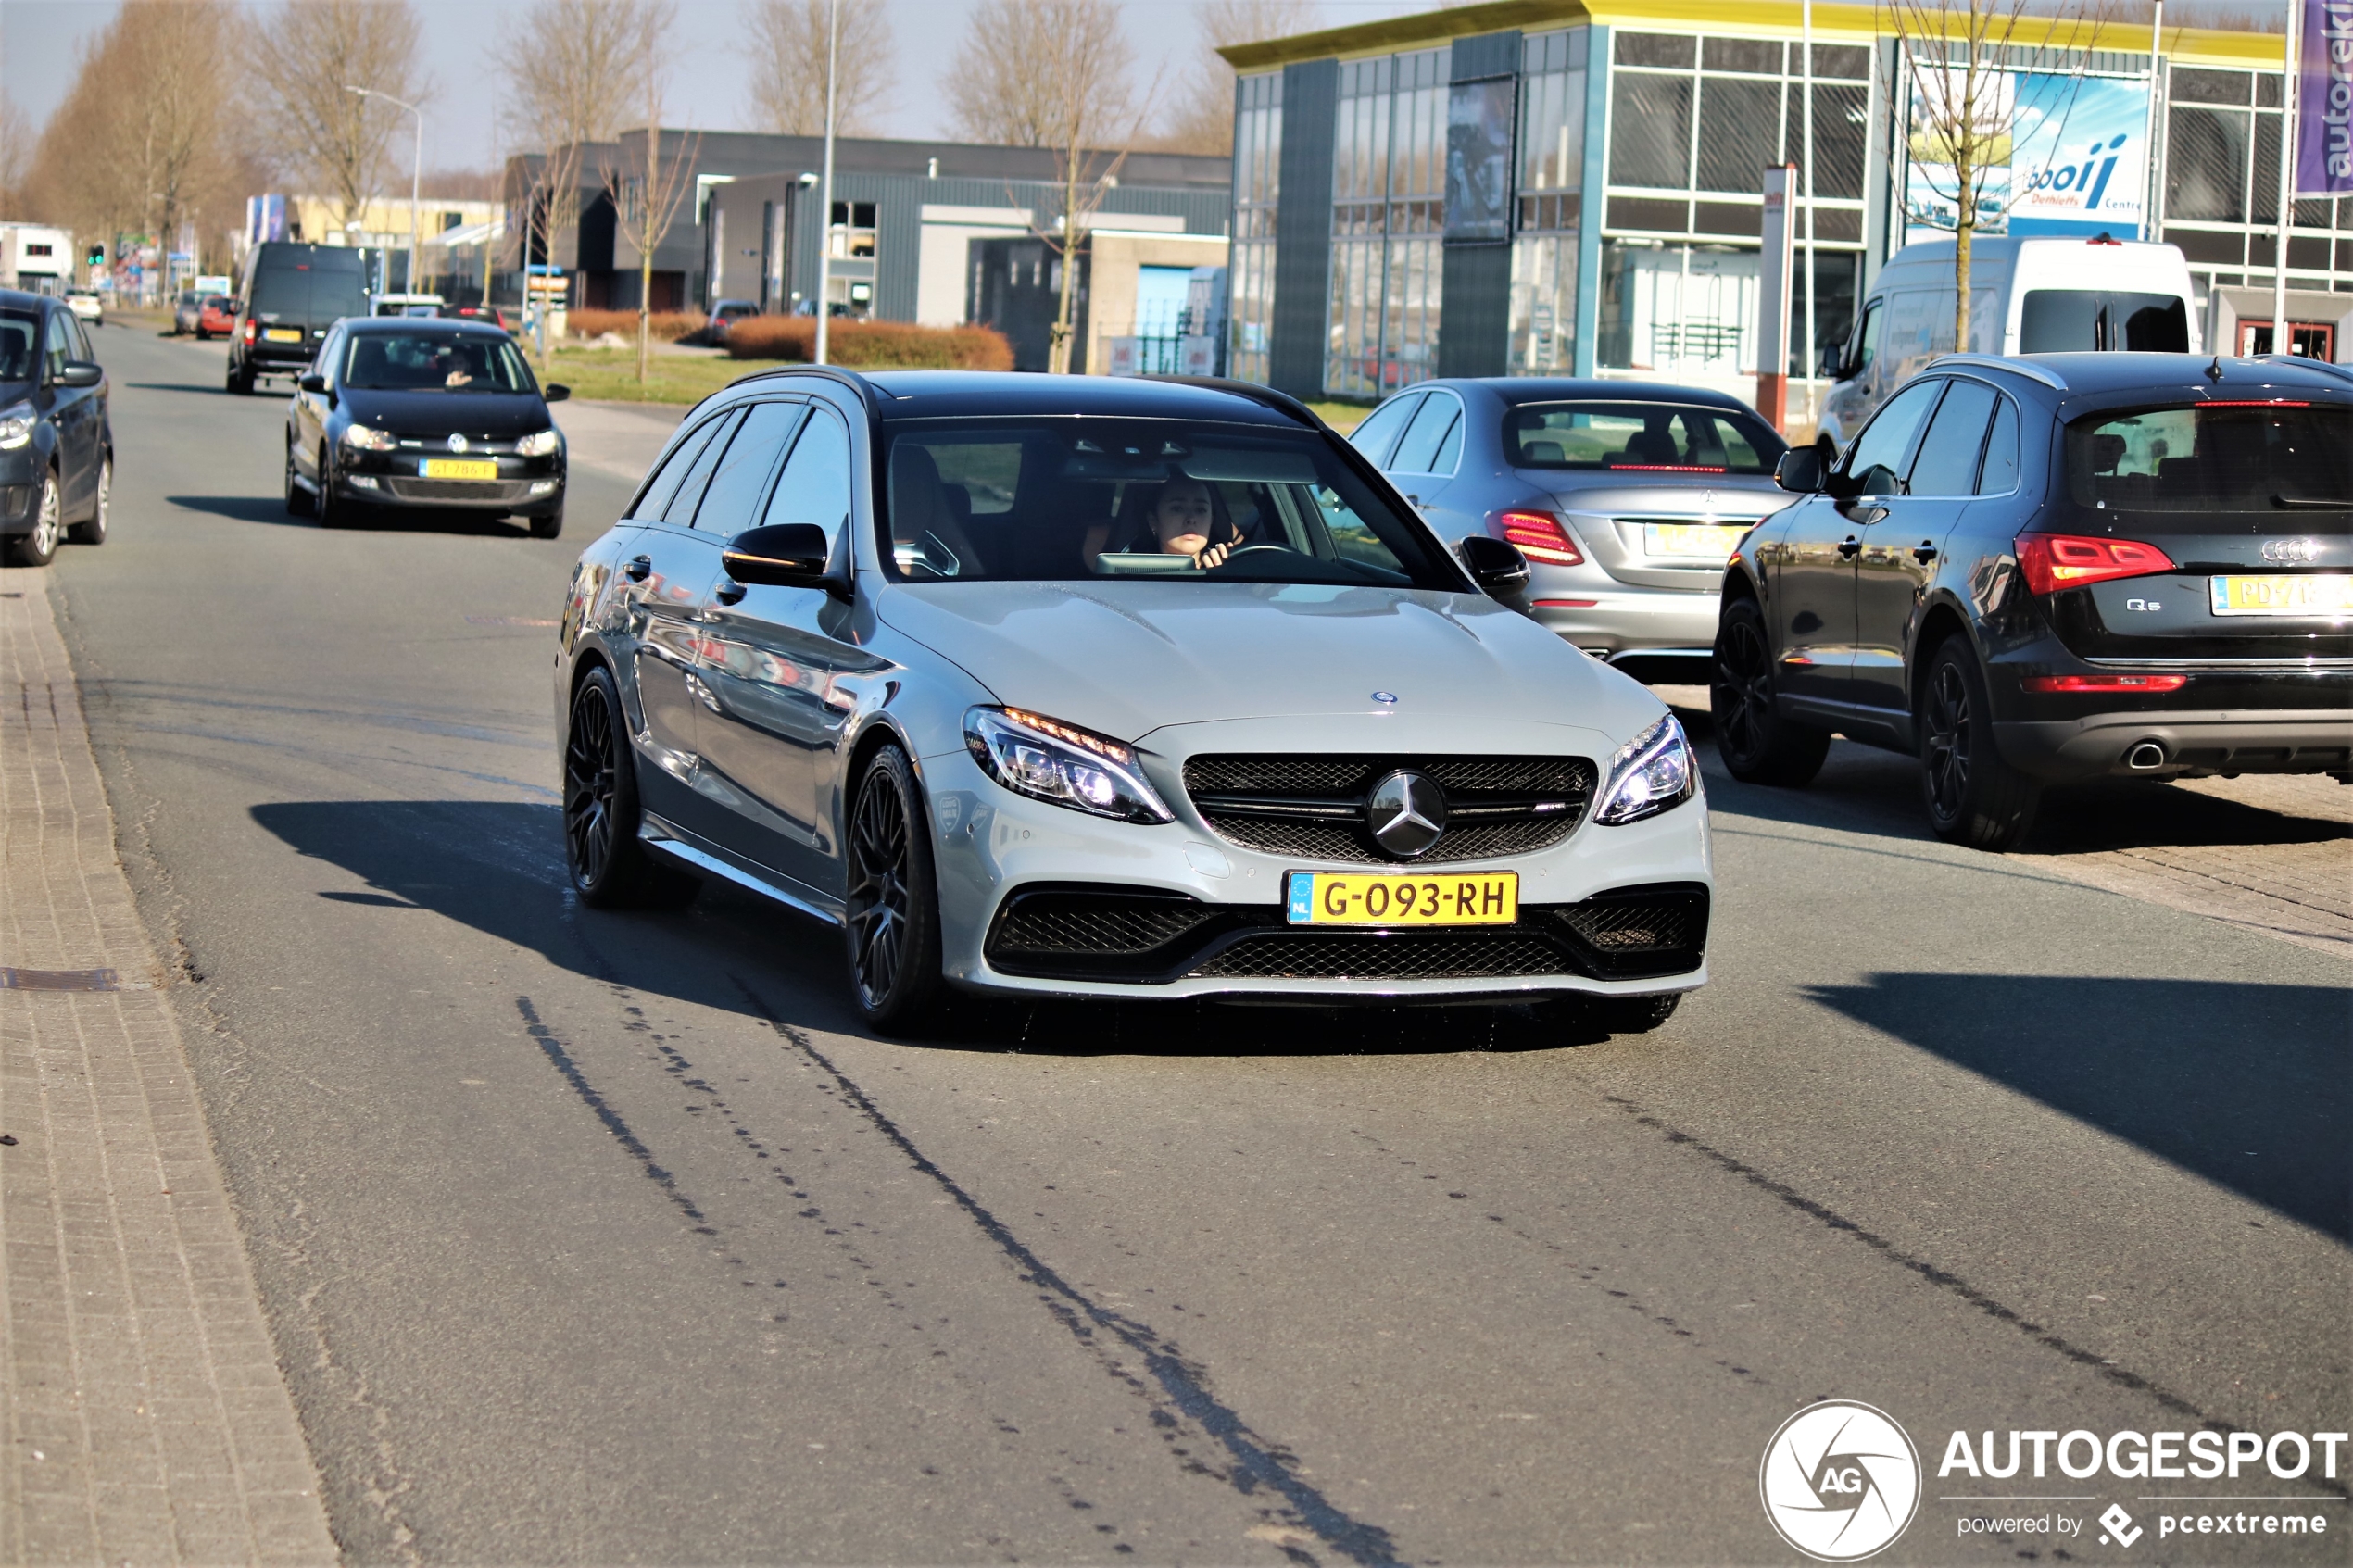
[
  {"x": 1878, "y": 454},
  {"x": 76, "y": 343},
  {"x": 664, "y": 489},
  {"x": 1450, "y": 451},
  {"x": 1999, "y": 476},
  {"x": 1378, "y": 436},
  {"x": 1424, "y": 438},
  {"x": 1866, "y": 338},
  {"x": 1947, "y": 462},
  {"x": 735, "y": 484},
  {"x": 815, "y": 485},
  {"x": 58, "y": 350}
]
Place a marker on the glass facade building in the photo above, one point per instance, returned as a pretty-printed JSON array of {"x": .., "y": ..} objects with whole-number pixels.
[{"x": 1630, "y": 228}]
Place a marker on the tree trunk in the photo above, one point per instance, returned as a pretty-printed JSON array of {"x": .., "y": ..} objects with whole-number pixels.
[
  {"x": 1058, "y": 361},
  {"x": 1964, "y": 227},
  {"x": 646, "y": 236}
]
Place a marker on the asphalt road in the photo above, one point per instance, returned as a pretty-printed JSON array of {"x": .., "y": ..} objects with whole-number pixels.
[{"x": 594, "y": 1237}]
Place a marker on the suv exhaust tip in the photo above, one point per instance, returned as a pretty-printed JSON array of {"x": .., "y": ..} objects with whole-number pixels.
[{"x": 2145, "y": 757}]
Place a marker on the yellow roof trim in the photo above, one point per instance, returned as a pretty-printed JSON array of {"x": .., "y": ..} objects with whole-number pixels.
[{"x": 1833, "y": 22}]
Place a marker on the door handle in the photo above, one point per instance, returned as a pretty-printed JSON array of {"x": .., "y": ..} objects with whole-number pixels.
[
  {"x": 1925, "y": 552},
  {"x": 641, "y": 569},
  {"x": 728, "y": 593},
  {"x": 1850, "y": 549}
]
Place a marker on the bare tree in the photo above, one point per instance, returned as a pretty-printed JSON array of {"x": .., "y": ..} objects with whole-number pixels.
[
  {"x": 311, "y": 53},
  {"x": 1200, "y": 117},
  {"x": 574, "y": 70},
  {"x": 1956, "y": 54},
  {"x": 1053, "y": 73},
  {"x": 16, "y": 155},
  {"x": 645, "y": 198},
  {"x": 788, "y": 65}
]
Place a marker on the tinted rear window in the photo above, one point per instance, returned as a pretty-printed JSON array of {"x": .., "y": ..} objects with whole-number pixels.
[
  {"x": 1638, "y": 437},
  {"x": 2076, "y": 321},
  {"x": 2182, "y": 470},
  {"x": 312, "y": 294}
]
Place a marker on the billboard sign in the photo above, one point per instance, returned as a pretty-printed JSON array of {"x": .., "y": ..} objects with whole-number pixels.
[
  {"x": 2074, "y": 160},
  {"x": 2324, "y": 101},
  {"x": 1478, "y": 159}
]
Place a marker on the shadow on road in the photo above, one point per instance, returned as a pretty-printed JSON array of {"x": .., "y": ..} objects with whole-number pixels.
[
  {"x": 209, "y": 389},
  {"x": 242, "y": 509},
  {"x": 2246, "y": 1085},
  {"x": 273, "y": 510},
  {"x": 497, "y": 866}
]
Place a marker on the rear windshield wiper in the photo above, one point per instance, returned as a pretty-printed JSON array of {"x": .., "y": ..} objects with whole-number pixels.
[{"x": 2329, "y": 503}]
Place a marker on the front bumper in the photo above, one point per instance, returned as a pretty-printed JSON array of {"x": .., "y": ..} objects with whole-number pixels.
[
  {"x": 2193, "y": 744},
  {"x": 991, "y": 845},
  {"x": 526, "y": 487}
]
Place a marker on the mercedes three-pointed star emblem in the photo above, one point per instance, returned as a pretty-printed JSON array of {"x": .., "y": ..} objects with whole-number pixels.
[{"x": 1406, "y": 813}]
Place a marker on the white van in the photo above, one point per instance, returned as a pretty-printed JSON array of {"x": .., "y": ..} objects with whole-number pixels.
[{"x": 2026, "y": 296}]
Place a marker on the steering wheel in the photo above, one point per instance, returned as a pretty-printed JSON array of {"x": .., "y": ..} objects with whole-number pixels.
[{"x": 1246, "y": 550}]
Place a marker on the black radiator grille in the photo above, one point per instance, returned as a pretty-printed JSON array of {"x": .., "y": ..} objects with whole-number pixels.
[
  {"x": 1462, "y": 955},
  {"x": 1311, "y": 806}
]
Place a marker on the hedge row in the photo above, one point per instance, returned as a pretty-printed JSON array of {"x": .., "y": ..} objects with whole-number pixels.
[
  {"x": 667, "y": 326},
  {"x": 876, "y": 346}
]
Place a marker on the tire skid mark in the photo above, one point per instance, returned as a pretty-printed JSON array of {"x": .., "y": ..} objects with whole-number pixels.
[
  {"x": 1587, "y": 1273},
  {"x": 1943, "y": 1279},
  {"x": 1255, "y": 1462},
  {"x": 569, "y": 1070}
]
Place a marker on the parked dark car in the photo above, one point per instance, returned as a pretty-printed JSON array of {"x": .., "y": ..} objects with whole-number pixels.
[
  {"x": 56, "y": 448},
  {"x": 725, "y": 314},
  {"x": 1625, "y": 497},
  {"x": 424, "y": 413},
  {"x": 2056, "y": 568},
  {"x": 293, "y": 293},
  {"x": 217, "y": 317}
]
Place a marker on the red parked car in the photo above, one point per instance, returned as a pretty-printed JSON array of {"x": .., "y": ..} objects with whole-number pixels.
[
  {"x": 217, "y": 317},
  {"x": 489, "y": 315}
]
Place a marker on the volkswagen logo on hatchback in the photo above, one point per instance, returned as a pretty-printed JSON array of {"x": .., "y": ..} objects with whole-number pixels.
[
  {"x": 1406, "y": 812},
  {"x": 458, "y": 444}
]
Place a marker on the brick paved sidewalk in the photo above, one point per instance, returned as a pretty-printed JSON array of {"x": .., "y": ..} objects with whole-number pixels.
[{"x": 145, "y": 1418}]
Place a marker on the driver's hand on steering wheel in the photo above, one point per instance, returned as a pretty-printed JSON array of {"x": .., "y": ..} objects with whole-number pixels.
[{"x": 1214, "y": 556}]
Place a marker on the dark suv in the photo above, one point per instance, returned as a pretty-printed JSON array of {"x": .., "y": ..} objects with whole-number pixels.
[
  {"x": 291, "y": 294},
  {"x": 2055, "y": 568}
]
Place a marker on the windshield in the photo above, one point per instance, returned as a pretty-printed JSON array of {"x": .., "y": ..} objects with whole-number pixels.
[
  {"x": 2291, "y": 464},
  {"x": 431, "y": 361},
  {"x": 2061, "y": 320},
  {"x": 1638, "y": 437},
  {"x": 19, "y": 329},
  {"x": 1175, "y": 500}
]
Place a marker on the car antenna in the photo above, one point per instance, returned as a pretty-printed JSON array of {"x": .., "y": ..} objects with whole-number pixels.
[{"x": 2214, "y": 371}]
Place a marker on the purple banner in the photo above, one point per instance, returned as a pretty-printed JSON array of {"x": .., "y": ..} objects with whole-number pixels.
[{"x": 2324, "y": 101}]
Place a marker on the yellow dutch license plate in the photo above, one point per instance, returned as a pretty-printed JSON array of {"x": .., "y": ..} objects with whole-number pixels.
[
  {"x": 1387, "y": 898},
  {"x": 281, "y": 334},
  {"x": 1708, "y": 542},
  {"x": 460, "y": 467},
  {"x": 2323, "y": 593}
]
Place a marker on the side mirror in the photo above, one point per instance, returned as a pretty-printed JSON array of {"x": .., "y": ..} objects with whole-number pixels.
[
  {"x": 1833, "y": 365},
  {"x": 312, "y": 383},
  {"x": 79, "y": 372},
  {"x": 554, "y": 392},
  {"x": 1496, "y": 566},
  {"x": 1800, "y": 470},
  {"x": 786, "y": 555}
]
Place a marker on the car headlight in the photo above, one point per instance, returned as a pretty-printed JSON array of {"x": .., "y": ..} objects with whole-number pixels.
[
  {"x": 1649, "y": 773},
  {"x": 16, "y": 426},
  {"x": 1046, "y": 759},
  {"x": 363, "y": 438},
  {"x": 542, "y": 443}
]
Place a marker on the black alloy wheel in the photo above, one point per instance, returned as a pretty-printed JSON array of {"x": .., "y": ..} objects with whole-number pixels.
[
  {"x": 333, "y": 510},
  {"x": 1973, "y": 797},
  {"x": 91, "y": 530},
  {"x": 891, "y": 919},
  {"x": 300, "y": 502},
  {"x": 39, "y": 547},
  {"x": 1757, "y": 744},
  {"x": 610, "y": 869},
  {"x": 548, "y": 527}
]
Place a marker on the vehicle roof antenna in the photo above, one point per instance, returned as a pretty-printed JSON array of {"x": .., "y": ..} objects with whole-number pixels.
[{"x": 2214, "y": 371}]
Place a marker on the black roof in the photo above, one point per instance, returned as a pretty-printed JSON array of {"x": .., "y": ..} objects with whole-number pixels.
[
  {"x": 20, "y": 299},
  {"x": 410, "y": 323},
  {"x": 1516, "y": 390},
  {"x": 925, "y": 394}
]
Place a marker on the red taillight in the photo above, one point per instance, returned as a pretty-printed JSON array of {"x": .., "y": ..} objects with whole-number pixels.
[
  {"x": 1667, "y": 467},
  {"x": 1565, "y": 604},
  {"x": 1540, "y": 537},
  {"x": 249, "y": 329},
  {"x": 2053, "y": 562},
  {"x": 2104, "y": 683}
]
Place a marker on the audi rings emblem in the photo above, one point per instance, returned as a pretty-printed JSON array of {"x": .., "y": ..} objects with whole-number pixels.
[
  {"x": 2291, "y": 552},
  {"x": 1406, "y": 814}
]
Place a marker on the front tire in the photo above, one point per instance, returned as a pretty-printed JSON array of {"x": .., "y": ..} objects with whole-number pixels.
[
  {"x": 548, "y": 527},
  {"x": 333, "y": 510},
  {"x": 609, "y": 867},
  {"x": 39, "y": 547},
  {"x": 1757, "y": 743},
  {"x": 1973, "y": 797},
  {"x": 300, "y": 502},
  {"x": 892, "y": 922},
  {"x": 93, "y": 529}
]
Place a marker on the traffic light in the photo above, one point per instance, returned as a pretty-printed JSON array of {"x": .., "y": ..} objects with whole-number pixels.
[{"x": 95, "y": 256}]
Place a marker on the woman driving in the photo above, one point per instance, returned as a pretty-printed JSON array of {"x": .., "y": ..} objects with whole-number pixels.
[{"x": 1180, "y": 518}]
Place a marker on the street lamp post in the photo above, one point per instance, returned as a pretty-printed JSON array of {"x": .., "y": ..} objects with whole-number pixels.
[{"x": 416, "y": 172}]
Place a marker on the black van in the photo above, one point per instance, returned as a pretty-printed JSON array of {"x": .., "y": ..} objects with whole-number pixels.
[{"x": 291, "y": 294}]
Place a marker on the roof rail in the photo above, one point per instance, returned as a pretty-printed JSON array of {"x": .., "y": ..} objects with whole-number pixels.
[
  {"x": 1998, "y": 362},
  {"x": 2305, "y": 361},
  {"x": 1281, "y": 401},
  {"x": 865, "y": 389}
]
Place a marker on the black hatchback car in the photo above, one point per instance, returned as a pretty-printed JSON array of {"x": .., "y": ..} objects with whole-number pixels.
[
  {"x": 402, "y": 412},
  {"x": 57, "y": 445},
  {"x": 2055, "y": 568}
]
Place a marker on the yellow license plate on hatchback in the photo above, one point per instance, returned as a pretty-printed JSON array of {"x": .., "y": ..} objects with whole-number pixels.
[
  {"x": 1710, "y": 541},
  {"x": 460, "y": 467},
  {"x": 1388, "y": 898},
  {"x": 2318, "y": 593},
  {"x": 281, "y": 334}
]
